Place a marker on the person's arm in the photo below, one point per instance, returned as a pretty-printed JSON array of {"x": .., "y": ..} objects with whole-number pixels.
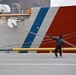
[
  {"x": 54, "y": 38},
  {"x": 50, "y": 36}
]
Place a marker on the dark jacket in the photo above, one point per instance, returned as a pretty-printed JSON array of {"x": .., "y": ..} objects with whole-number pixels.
[{"x": 59, "y": 41}]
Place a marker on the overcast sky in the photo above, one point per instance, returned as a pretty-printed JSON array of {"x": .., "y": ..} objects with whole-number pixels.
[{"x": 63, "y": 2}]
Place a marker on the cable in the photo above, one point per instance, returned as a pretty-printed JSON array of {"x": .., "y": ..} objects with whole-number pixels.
[
  {"x": 42, "y": 35},
  {"x": 38, "y": 35},
  {"x": 35, "y": 44}
]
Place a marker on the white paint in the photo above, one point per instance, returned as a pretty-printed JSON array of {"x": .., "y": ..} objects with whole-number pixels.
[{"x": 12, "y": 22}]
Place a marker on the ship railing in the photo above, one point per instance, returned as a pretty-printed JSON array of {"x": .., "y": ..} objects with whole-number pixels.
[{"x": 38, "y": 49}]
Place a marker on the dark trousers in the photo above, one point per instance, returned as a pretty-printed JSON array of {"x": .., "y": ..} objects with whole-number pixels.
[{"x": 56, "y": 50}]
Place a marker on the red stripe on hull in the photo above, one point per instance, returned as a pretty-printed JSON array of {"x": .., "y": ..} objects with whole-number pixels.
[{"x": 63, "y": 23}]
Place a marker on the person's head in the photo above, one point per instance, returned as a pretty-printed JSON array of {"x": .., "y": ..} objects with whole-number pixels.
[{"x": 60, "y": 36}]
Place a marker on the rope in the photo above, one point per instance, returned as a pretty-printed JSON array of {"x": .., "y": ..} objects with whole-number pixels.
[
  {"x": 36, "y": 44},
  {"x": 42, "y": 35},
  {"x": 44, "y": 40},
  {"x": 70, "y": 44}
]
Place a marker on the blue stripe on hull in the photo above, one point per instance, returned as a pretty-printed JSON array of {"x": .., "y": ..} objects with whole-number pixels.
[{"x": 37, "y": 23}]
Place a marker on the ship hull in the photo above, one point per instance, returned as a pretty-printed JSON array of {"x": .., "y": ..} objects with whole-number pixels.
[{"x": 32, "y": 32}]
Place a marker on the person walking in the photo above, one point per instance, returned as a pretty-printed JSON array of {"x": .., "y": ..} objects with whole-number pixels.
[{"x": 59, "y": 44}]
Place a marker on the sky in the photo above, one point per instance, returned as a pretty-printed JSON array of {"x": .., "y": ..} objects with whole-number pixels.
[{"x": 62, "y": 2}]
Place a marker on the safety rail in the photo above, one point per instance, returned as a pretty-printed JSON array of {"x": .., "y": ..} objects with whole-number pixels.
[{"x": 37, "y": 49}]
